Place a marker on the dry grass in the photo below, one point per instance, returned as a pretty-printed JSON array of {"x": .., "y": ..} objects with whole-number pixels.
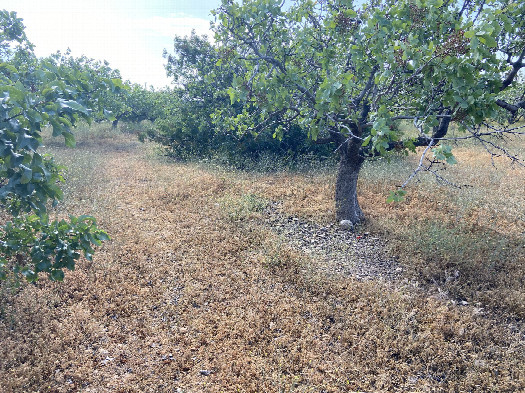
[
  {"x": 184, "y": 298},
  {"x": 469, "y": 243}
]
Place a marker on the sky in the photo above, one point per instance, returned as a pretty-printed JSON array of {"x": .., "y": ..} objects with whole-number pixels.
[{"x": 130, "y": 34}]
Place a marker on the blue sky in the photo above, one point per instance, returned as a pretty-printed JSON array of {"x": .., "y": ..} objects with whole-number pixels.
[{"x": 130, "y": 34}]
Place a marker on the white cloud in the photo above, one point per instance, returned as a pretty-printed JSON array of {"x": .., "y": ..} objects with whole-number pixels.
[{"x": 176, "y": 25}]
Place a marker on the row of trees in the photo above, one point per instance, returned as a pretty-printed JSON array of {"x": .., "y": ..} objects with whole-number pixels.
[{"x": 57, "y": 92}]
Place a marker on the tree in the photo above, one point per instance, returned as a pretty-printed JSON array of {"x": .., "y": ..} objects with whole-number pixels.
[
  {"x": 186, "y": 125},
  {"x": 92, "y": 69},
  {"x": 35, "y": 93},
  {"x": 191, "y": 120},
  {"x": 351, "y": 74},
  {"x": 135, "y": 105}
]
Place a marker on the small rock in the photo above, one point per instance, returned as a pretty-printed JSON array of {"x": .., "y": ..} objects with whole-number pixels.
[
  {"x": 480, "y": 363},
  {"x": 205, "y": 372},
  {"x": 346, "y": 224}
]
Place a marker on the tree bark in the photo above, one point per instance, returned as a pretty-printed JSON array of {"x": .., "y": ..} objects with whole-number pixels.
[{"x": 346, "y": 202}]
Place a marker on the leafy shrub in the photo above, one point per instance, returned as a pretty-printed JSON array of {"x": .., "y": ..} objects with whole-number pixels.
[{"x": 35, "y": 94}]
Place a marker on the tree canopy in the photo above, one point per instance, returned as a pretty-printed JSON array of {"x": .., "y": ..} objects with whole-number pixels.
[{"x": 350, "y": 74}]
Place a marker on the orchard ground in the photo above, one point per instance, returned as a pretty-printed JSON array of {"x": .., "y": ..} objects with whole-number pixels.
[{"x": 195, "y": 293}]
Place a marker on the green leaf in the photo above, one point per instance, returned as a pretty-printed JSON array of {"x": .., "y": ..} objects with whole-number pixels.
[
  {"x": 233, "y": 95},
  {"x": 451, "y": 160},
  {"x": 469, "y": 34},
  {"x": 103, "y": 236},
  {"x": 444, "y": 153},
  {"x": 487, "y": 39},
  {"x": 29, "y": 274},
  {"x": 366, "y": 141},
  {"x": 396, "y": 196},
  {"x": 109, "y": 115},
  {"x": 69, "y": 139},
  {"x": 73, "y": 105},
  {"x": 43, "y": 266},
  {"x": 57, "y": 275},
  {"x": 27, "y": 174}
]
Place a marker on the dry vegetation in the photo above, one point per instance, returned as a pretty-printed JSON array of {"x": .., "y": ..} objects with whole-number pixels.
[{"x": 184, "y": 299}]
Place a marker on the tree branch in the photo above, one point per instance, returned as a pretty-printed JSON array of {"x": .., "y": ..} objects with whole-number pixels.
[
  {"x": 367, "y": 87},
  {"x": 513, "y": 108},
  {"x": 516, "y": 66},
  {"x": 420, "y": 166}
]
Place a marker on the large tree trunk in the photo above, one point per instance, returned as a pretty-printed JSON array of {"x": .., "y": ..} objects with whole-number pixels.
[{"x": 346, "y": 203}]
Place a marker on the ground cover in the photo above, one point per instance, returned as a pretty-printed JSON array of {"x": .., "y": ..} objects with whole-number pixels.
[{"x": 197, "y": 293}]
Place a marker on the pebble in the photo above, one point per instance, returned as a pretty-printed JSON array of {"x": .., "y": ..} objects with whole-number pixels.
[{"x": 347, "y": 225}]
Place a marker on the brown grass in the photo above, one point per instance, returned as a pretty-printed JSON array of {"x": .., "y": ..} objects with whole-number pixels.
[
  {"x": 183, "y": 296},
  {"x": 469, "y": 242}
]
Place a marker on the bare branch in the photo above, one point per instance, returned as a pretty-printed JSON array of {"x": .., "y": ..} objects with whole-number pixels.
[
  {"x": 403, "y": 117},
  {"x": 420, "y": 167},
  {"x": 340, "y": 123},
  {"x": 495, "y": 132}
]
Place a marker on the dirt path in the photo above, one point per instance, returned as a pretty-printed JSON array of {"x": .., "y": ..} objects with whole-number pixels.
[{"x": 184, "y": 299}]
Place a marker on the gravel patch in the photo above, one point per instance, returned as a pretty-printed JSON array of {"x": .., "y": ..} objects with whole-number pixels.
[{"x": 334, "y": 250}]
